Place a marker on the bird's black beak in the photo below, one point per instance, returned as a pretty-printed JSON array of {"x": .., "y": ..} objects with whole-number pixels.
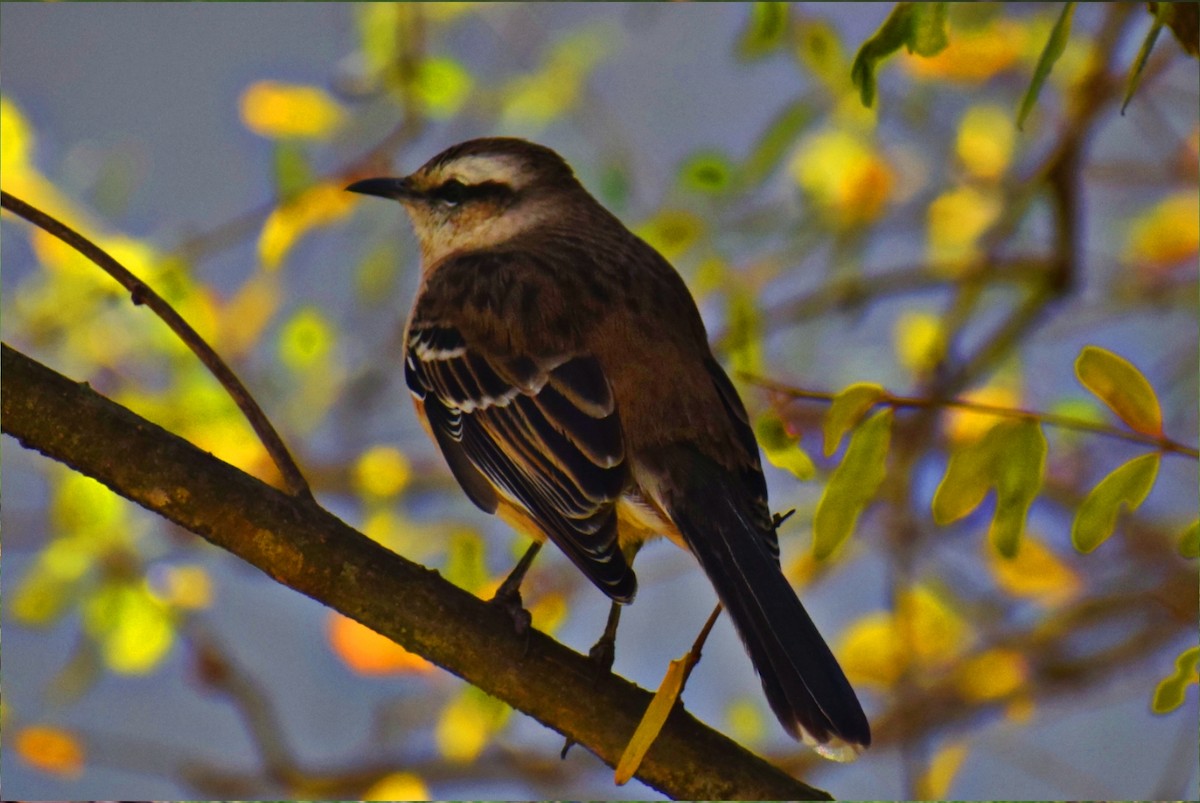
[{"x": 397, "y": 189}]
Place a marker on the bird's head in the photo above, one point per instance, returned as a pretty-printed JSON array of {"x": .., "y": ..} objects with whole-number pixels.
[{"x": 477, "y": 194}]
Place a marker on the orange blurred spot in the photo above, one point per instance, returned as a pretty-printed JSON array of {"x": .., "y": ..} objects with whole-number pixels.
[
  {"x": 368, "y": 653},
  {"x": 51, "y": 750}
]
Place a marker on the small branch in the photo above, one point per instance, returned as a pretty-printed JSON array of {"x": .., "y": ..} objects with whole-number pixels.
[
  {"x": 1163, "y": 444},
  {"x": 141, "y": 293}
]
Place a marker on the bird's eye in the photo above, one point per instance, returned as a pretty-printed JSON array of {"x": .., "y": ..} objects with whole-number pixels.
[{"x": 451, "y": 193}]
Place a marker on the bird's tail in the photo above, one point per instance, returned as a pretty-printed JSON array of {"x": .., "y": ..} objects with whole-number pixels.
[{"x": 803, "y": 682}]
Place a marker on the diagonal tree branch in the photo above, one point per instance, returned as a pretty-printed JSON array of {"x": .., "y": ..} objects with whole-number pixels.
[{"x": 302, "y": 546}]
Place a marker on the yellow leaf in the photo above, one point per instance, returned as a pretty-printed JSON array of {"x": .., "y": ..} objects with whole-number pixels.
[
  {"x": 1012, "y": 458},
  {"x": 1126, "y": 486},
  {"x": 934, "y": 783},
  {"x": 320, "y": 205},
  {"x": 781, "y": 448},
  {"x": 1170, "y": 691},
  {"x": 1166, "y": 234},
  {"x": 671, "y": 232},
  {"x": 277, "y": 110},
  {"x": 443, "y": 86},
  {"x": 1035, "y": 573},
  {"x": 305, "y": 340},
  {"x": 1121, "y": 386},
  {"x": 974, "y": 55},
  {"x": 985, "y": 141},
  {"x": 920, "y": 341},
  {"x": 368, "y": 653},
  {"x": 652, "y": 721},
  {"x": 871, "y": 653},
  {"x": 537, "y": 98},
  {"x": 964, "y": 425},
  {"x": 16, "y": 139},
  {"x": 930, "y": 626},
  {"x": 991, "y": 675},
  {"x": 957, "y": 219},
  {"x": 466, "y": 725},
  {"x": 381, "y": 472},
  {"x": 246, "y": 314},
  {"x": 398, "y": 786},
  {"x": 549, "y": 611},
  {"x": 465, "y": 564},
  {"x": 745, "y": 722},
  {"x": 847, "y": 409},
  {"x": 133, "y": 629},
  {"x": 1189, "y": 542},
  {"x": 188, "y": 587},
  {"x": 846, "y": 177},
  {"x": 51, "y": 750},
  {"x": 853, "y": 484}
]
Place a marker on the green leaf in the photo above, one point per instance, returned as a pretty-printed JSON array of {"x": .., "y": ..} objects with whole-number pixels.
[
  {"x": 920, "y": 27},
  {"x": 765, "y": 30},
  {"x": 1125, "y": 486},
  {"x": 1011, "y": 457},
  {"x": 292, "y": 172},
  {"x": 1139, "y": 63},
  {"x": 782, "y": 448},
  {"x": 776, "y": 142},
  {"x": 1169, "y": 694},
  {"x": 1189, "y": 542},
  {"x": 853, "y": 484},
  {"x": 1055, "y": 45},
  {"x": 708, "y": 172},
  {"x": 1121, "y": 386},
  {"x": 847, "y": 409}
]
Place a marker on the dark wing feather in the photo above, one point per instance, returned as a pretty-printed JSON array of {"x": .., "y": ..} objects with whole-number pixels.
[{"x": 543, "y": 433}]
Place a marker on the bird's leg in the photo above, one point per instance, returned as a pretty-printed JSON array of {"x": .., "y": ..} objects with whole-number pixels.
[
  {"x": 604, "y": 650},
  {"x": 508, "y": 595}
]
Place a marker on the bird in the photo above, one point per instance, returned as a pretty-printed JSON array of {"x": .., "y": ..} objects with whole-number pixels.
[{"x": 563, "y": 369}]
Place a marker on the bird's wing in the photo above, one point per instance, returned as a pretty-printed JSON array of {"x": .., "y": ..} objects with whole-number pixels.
[{"x": 543, "y": 433}]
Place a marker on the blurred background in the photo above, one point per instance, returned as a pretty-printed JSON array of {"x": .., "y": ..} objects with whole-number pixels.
[{"x": 925, "y": 244}]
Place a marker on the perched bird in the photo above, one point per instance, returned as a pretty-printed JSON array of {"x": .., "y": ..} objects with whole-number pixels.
[{"x": 562, "y": 367}]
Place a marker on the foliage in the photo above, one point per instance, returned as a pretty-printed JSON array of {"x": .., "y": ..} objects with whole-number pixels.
[{"x": 940, "y": 257}]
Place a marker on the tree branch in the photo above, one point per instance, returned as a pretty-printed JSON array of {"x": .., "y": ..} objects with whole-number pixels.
[{"x": 302, "y": 546}]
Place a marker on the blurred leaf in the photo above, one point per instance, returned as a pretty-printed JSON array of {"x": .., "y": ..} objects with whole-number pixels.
[
  {"x": 921, "y": 27},
  {"x": 671, "y": 232},
  {"x": 652, "y": 721},
  {"x": 957, "y": 219},
  {"x": 934, "y": 783},
  {"x": 853, "y": 484},
  {"x": 1166, "y": 234},
  {"x": 1184, "y": 20},
  {"x": 549, "y": 611},
  {"x": 320, "y": 205},
  {"x": 819, "y": 50},
  {"x": 1163, "y": 12},
  {"x": 614, "y": 186},
  {"x": 381, "y": 472},
  {"x": 775, "y": 142},
  {"x": 16, "y": 139},
  {"x": 77, "y": 676},
  {"x": 964, "y": 425},
  {"x": 931, "y": 625},
  {"x": 1055, "y": 45},
  {"x": 985, "y": 141},
  {"x": 991, "y": 675},
  {"x": 920, "y": 341},
  {"x": 1117, "y": 383},
  {"x": 244, "y": 316},
  {"x": 185, "y": 586},
  {"x": 306, "y": 340},
  {"x": 871, "y": 653},
  {"x": 537, "y": 98},
  {"x": 1127, "y": 486},
  {"x": 50, "y": 749},
  {"x": 466, "y": 566},
  {"x": 766, "y": 30},
  {"x": 292, "y": 172},
  {"x": 442, "y": 85},
  {"x": 1012, "y": 458},
  {"x": 1189, "y": 542},
  {"x": 467, "y": 723},
  {"x": 707, "y": 172},
  {"x": 279, "y": 110},
  {"x": 782, "y": 448},
  {"x": 1036, "y": 573},
  {"x": 847, "y": 409},
  {"x": 134, "y": 630},
  {"x": 977, "y": 52},
  {"x": 398, "y": 786},
  {"x": 744, "y": 721},
  {"x": 744, "y": 333},
  {"x": 368, "y": 653},
  {"x": 376, "y": 275},
  {"x": 845, "y": 176},
  {"x": 1170, "y": 691}
]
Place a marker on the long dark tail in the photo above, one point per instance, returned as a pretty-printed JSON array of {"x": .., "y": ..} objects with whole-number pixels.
[{"x": 804, "y": 684}]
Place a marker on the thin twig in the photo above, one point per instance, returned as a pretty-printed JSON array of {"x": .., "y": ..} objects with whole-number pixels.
[
  {"x": 141, "y": 293},
  {"x": 1162, "y": 443}
]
